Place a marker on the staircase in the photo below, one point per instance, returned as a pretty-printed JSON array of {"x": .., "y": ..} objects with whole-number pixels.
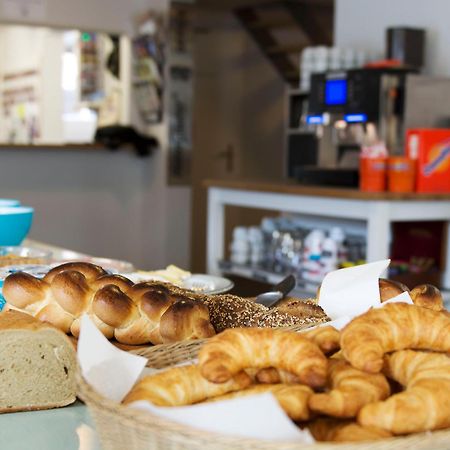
[{"x": 283, "y": 28}]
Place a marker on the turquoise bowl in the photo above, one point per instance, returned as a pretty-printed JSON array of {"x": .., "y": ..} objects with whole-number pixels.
[
  {"x": 9, "y": 202},
  {"x": 15, "y": 223}
]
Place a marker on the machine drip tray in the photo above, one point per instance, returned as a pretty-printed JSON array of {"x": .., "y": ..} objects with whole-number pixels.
[{"x": 338, "y": 177}]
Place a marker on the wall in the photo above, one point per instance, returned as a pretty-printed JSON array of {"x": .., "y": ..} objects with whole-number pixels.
[
  {"x": 362, "y": 23},
  {"x": 239, "y": 103},
  {"x": 102, "y": 203}
]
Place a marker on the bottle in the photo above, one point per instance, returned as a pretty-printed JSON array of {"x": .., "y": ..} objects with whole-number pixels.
[
  {"x": 329, "y": 257},
  {"x": 312, "y": 267},
  {"x": 338, "y": 235}
]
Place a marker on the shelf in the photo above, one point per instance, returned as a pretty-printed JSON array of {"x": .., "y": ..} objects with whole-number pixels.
[
  {"x": 92, "y": 146},
  {"x": 256, "y": 273}
]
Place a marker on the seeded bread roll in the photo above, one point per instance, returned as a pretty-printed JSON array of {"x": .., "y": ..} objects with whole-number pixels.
[
  {"x": 307, "y": 308},
  {"x": 37, "y": 364},
  {"x": 230, "y": 311}
]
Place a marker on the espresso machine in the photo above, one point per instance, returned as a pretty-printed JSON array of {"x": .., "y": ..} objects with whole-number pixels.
[{"x": 345, "y": 111}]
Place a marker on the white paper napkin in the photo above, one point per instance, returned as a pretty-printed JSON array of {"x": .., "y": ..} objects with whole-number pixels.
[
  {"x": 257, "y": 416},
  {"x": 351, "y": 291},
  {"x": 108, "y": 369},
  {"x": 113, "y": 372}
]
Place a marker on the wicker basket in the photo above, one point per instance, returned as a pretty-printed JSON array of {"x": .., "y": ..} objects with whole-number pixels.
[{"x": 123, "y": 428}]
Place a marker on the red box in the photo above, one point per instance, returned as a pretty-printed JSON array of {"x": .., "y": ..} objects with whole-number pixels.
[{"x": 431, "y": 148}]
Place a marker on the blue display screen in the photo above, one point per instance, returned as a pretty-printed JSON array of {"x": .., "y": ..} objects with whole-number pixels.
[{"x": 335, "y": 92}]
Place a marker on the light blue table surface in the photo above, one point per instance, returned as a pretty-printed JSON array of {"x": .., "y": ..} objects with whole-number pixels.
[{"x": 69, "y": 428}]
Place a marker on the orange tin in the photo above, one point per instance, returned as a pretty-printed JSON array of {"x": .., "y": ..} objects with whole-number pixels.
[
  {"x": 401, "y": 174},
  {"x": 431, "y": 148},
  {"x": 372, "y": 174}
]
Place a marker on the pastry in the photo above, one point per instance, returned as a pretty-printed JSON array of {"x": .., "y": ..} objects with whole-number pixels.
[
  {"x": 133, "y": 314},
  {"x": 428, "y": 296},
  {"x": 37, "y": 364},
  {"x": 396, "y": 326},
  {"x": 326, "y": 337},
  {"x": 425, "y": 403},
  {"x": 300, "y": 308},
  {"x": 271, "y": 375},
  {"x": 390, "y": 289},
  {"x": 230, "y": 311},
  {"x": 350, "y": 390},
  {"x": 182, "y": 386},
  {"x": 328, "y": 429},
  {"x": 292, "y": 398},
  {"x": 236, "y": 349}
]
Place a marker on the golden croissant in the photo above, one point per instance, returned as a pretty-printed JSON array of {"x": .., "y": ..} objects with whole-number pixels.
[
  {"x": 396, "y": 326},
  {"x": 240, "y": 348},
  {"x": 132, "y": 313},
  {"x": 325, "y": 336},
  {"x": 182, "y": 386},
  {"x": 271, "y": 375},
  {"x": 351, "y": 389},
  {"x": 425, "y": 403},
  {"x": 428, "y": 296},
  {"x": 328, "y": 429},
  {"x": 292, "y": 398}
]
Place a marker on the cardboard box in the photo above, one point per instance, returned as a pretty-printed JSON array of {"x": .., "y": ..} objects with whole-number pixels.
[{"x": 431, "y": 148}]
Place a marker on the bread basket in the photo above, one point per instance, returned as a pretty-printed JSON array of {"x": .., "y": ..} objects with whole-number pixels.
[{"x": 120, "y": 427}]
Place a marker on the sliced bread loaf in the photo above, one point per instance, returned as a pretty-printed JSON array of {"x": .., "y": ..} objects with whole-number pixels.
[{"x": 37, "y": 364}]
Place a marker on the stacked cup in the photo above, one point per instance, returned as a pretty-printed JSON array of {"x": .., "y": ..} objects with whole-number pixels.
[
  {"x": 239, "y": 246},
  {"x": 256, "y": 241}
]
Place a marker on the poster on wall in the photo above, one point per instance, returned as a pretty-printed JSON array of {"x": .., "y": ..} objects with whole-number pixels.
[
  {"x": 148, "y": 67},
  {"x": 20, "y": 108}
]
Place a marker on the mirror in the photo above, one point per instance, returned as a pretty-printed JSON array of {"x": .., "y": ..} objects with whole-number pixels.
[{"x": 58, "y": 86}]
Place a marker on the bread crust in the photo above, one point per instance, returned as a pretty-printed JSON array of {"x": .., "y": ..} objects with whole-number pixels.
[{"x": 130, "y": 313}]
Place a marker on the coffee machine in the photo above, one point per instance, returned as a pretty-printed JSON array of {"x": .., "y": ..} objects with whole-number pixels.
[{"x": 346, "y": 110}]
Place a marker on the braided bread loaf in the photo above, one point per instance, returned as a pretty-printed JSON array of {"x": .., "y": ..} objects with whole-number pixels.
[{"x": 132, "y": 313}]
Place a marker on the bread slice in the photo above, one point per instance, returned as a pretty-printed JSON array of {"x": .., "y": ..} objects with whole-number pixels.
[{"x": 37, "y": 364}]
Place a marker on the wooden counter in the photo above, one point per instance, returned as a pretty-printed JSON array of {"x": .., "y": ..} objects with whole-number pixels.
[{"x": 319, "y": 191}]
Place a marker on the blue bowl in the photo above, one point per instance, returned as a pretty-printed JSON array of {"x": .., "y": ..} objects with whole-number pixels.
[
  {"x": 15, "y": 223},
  {"x": 9, "y": 202}
]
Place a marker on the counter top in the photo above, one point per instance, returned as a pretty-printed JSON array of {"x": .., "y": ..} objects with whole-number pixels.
[
  {"x": 68, "y": 428},
  {"x": 287, "y": 187}
]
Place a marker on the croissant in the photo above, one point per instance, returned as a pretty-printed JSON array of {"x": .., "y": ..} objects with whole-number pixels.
[
  {"x": 182, "y": 386},
  {"x": 292, "y": 398},
  {"x": 132, "y": 313},
  {"x": 351, "y": 390},
  {"x": 396, "y": 326},
  {"x": 428, "y": 296},
  {"x": 328, "y": 429},
  {"x": 424, "y": 405},
  {"x": 271, "y": 375},
  {"x": 236, "y": 349},
  {"x": 326, "y": 337}
]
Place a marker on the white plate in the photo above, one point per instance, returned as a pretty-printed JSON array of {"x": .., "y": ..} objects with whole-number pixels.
[
  {"x": 202, "y": 283},
  {"x": 208, "y": 284}
]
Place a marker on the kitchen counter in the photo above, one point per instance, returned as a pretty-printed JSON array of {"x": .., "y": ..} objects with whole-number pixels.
[
  {"x": 374, "y": 211},
  {"x": 288, "y": 187}
]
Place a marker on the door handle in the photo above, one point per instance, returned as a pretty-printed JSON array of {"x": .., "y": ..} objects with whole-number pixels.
[{"x": 228, "y": 155}]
